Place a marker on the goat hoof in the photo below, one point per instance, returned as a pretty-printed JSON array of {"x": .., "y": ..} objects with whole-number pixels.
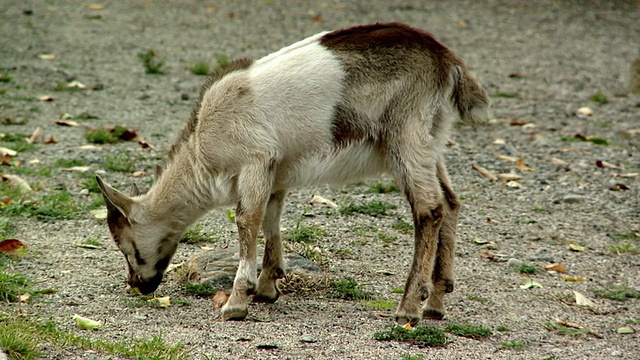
[
  {"x": 266, "y": 298},
  {"x": 234, "y": 313}
]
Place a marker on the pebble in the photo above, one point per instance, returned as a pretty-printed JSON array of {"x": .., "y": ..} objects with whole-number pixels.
[
  {"x": 573, "y": 199},
  {"x": 616, "y": 353},
  {"x": 514, "y": 263},
  {"x": 542, "y": 254}
]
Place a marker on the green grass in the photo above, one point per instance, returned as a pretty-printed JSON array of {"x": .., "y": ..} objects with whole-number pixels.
[
  {"x": 383, "y": 188},
  {"x": 348, "y": 289},
  {"x": 119, "y": 163},
  {"x": 21, "y": 338},
  {"x": 152, "y": 62},
  {"x": 231, "y": 216},
  {"x": 199, "y": 290},
  {"x": 476, "y": 332},
  {"x": 502, "y": 328},
  {"x": 387, "y": 239},
  {"x": 7, "y": 229},
  {"x": 409, "y": 356},
  {"x": 618, "y": 293},
  {"x": 91, "y": 243},
  {"x": 305, "y": 234},
  {"x": 196, "y": 235},
  {"x": 55, "y": 205},
  {"x": 372, "y": 208},
  {"x": 222, "y": 60},
  {"x": 397, "y": 291},
  {"x": 380, "y": 304},
  {"x": 600, "y": 98},
  {"x": 477, "y": 298},
  {"x": 200, "y": 68},
  {"x": 67, "y": 163},
  {"x": 527, "y": 269},
  {"x": 106, "y": 136},
  {"x": 563, "y": 330},
  {"x": 5, "y": 77},
  {"x": 628, "y": 235},
  {"x": 422, "y": 336},
  {"x": 505, "y": 94},
  {"x": 625, "y": 247},
  {"x": 62, "y": 86},
  {"x": 403, "y": 227},
  {"x": 513, "y": 345},
  {"x": 12, "y": 285}
]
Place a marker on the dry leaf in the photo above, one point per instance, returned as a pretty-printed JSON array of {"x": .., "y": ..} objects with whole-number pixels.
[
  {"x": 35, "y": 136},
  {"x": 86, "y": 323},
  {"x": 484, "y": 172},
  {"x": 575, "y": 247},
  {"x": 17, "y": 181},
  {"x": 582, "y": 300},
  {"x": 163, "y": 302},
  {"x": 528, "y": 283},
  {"x": 514, "y": 184},
  {"x": 499, "y": 142},
  {"x": 505, "y": 157},
  {"x": 25, "y": 297},
  {"x": 145, "y": 145},
  {"x": 90, "y": 148},
  {"x": 77, "y": 168},
  {"x": 633, "y": 131},
  {"x": 7, "y": 152},
  {"x": 556, "y": 267},
  {"x": 317, "y": 199},
  {"x": 627, "y": 175},
  {"x": 45, "y": 98},
  {"x": 604, "y": 164},
  {"x": 618, "y": 187},
  {"x": 584, "y": 112},
  {"x": 5, "y": 160},
  {"x": 517, "y": 122},
  {"x": 508, "y": 177},
  {"x": 51, "y": 140},
  {"x": 625, "y": 330},
  {"x": 520, "y": 165},
  {"x": 557, "y": 161},
  {"x": 574, "y": 279},
  {"x": 76, "y": 84},
  {"x": 137, "y": 173},
  {"x": 95, "y": 7},
  {"x": 47, "y": 56},
  {"x": 11, "y": 246},
  {"x": 219, "y": 299},
  {"x": 65, "y": 123}
]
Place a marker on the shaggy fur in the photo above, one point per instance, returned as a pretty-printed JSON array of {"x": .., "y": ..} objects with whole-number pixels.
[{"x": 332, "y": 108}]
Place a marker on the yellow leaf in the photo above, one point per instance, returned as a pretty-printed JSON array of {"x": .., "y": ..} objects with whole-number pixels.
[
  {"x": 575, "y": 247},
  {"x": 408, "y": 326},
  {"x": 556, "y": 267},
  {"x": 574, "y": 279},
  {"x": 24, "y": 297},
  {"x": 625, "y": 330},
  {"x": 163, "y": 302},
  {"x": 520, "y": 165},
  {"x": 582, "y": 300}
]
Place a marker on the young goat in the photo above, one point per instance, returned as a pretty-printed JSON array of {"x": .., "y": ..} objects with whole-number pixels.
[{"x": 335, "y": 107}]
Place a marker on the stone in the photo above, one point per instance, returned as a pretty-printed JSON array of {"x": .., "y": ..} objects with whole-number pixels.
[
  {"x": 542, "y": 254},
  {"x": 573, "y": 199},
  {"x": 514, "y": 264}
]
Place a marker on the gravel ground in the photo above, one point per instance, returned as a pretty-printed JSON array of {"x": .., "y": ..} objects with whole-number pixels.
[{"x": 540, "y": 61}]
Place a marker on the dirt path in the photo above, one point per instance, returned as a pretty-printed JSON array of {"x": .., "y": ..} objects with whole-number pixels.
[{"x": 540, "y": 61}]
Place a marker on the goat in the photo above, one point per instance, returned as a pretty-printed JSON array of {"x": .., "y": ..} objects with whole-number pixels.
[{"x": 332, "y": 108}]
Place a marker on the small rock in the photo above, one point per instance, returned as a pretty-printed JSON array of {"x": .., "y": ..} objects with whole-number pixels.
[
  {"x": 542, "y": 254},
  {"x": 573, "y": 199},
  {"x": 513, "y": 263},
  {"x": 616, "y": 353}
]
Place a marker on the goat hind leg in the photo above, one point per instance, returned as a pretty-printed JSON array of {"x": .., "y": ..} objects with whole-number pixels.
[{"x": 272, "y": 263}]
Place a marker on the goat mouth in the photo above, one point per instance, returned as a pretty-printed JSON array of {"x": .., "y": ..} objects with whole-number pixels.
[{"x": 146, "y": 286}]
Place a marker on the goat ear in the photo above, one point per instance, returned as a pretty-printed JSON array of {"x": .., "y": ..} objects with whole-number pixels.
[
  {"x": 134, "y": 190},
  {"x": 115, "y": 200}
]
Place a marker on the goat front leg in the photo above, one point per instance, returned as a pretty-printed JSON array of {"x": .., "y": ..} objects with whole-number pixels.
[
  {"x": 272, "y": 263},
  {"x": 253, "y": 190}
]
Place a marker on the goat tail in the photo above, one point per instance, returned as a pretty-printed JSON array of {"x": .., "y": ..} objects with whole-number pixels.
[{"x": 469, "y": 98}]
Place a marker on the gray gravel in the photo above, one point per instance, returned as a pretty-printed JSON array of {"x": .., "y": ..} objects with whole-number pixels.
[{"x": 553, "y": 56}]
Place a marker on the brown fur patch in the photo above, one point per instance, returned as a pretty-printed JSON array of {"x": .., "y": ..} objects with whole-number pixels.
[
  {"x": 347, "y": 126},
  {"x": 216, "y": 76}
]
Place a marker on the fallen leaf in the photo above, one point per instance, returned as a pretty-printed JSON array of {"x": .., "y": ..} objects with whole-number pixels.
[
  {"x": 17, "y": 181},
  {"x": 163, "y": 302},
  {"x": 47, "y": 56},
  {"x": 487, "y": 255},
  {"x": 35, "y": 136},
  {"x": 574, "y": 279},
  {"x": 95, "y": 6},
  {"x": 625, "y": 330},
  {"x": 480, "y": 241},
  {"x": 499, "y": 142},
  {"x": 230, "y": 15},
  {"x": 11, "y": 246},
  {"x": 575, "y": 247},
  {"x": 557, "y": 267},
  {"x": 505, "y": 157},
  {"x": 577, "y": 326},
  {"x": 99, "y": 213},
  {"x": 517, "y": 122},
  {"x": 86, "y": 323},
  {"x": 137, "y": 173},
  {"x": 633, "y": 131},
  {"x": 52, "y": 140},
  {"x": 528, "y": 283},
  {"x": 557, "y": 161},
  {"x": 484, "y": 172},
  {"x": 5, "y": 160},
  {"x": 77, "y": 169},
  {"x": 604, "y": 164},
  {"x": 145, "y": 145},
  {"x": 7, "y": 152},
  {"x": 219, "y": 299},
  {"x": 76, "y": 84},
  {"x": 88, "y": 246},
  {"x": 508, "y": 177},
  {"x": 46, "y": 98},
  {"x": 520, "y": 165},
  {"x": 65, "y": 122},
  {"x": 582, "y": 300},
  {"x": 90, "y": 148},
  {"x": 514, "y": 184},
  {"x": 317, "y": 199},
  {"x": 407, "y": 326},
  {"x": 25, "y": 297},
  {"x": 618, "y": 187},
  {"x": 627, "y": 175},
  {"x": 584, "y": 112}
]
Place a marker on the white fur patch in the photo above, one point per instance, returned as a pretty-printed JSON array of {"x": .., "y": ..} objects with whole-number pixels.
[{"x": 247, "y": 271}]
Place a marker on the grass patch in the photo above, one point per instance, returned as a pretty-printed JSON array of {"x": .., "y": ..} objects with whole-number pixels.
[
  {"x": 67, "y": 163},
  {"x": 618, "y": 293},
  {"x": 513, "y": 345},
  {"x": 196, "y": 235},
  {"x": 56, "y": 205},
  {"x": 304, "y": 234},
  {"x": 200, "y": 68},
  {"x": 386, "y": 238},
  {"x": 152, "y": 62},
  {"x": 119, "y": 162},
  {"x": 379, "y": 304},
  {"x": 5, "y": 77},
  {"x": 476, "y": 332},
  {"x": 628, "y": 235},
  {"x": 222, "y": 60},
  {"x": 91, "y": 243},
  {"x": 624, "y": 247},
  {"x": 403, "y": 227},
  {"x": 502, "y": 328},
  {"x": 477, "y": 298},
  {"x": 600, "y": 98},
  {"x": 505, "y": 94},
  {"x": 348, "y": 289},
  {"x": 563, "y": 330},
  {"x": 527, "y": 269},
  {"x": 397, "y": 291},
  {"x": 7, "y": 229},
  {"x": 12, "y": 285},
  {"x": 372, "y": 208},
  {"x": 422, "y": 336},
  {"x": 21, "y": 337},
  {"x": 539, "y": 208},
  {"x": 383, "y": 188},
  {"x": 108, "y": 136},
  {"x": 199, "y": 290},
  {"x": 62, "y": 86}
]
